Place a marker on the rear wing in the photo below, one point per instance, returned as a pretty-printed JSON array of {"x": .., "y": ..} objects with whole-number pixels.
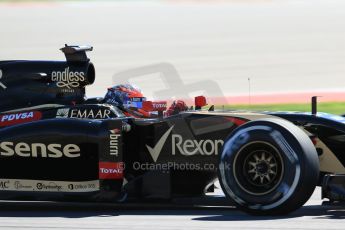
[{"x": 76, "y": 53}]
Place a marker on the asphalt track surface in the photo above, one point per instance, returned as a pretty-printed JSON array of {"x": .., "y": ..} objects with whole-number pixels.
[
  {"x": 52, "y": 216},
  {"x": 289, "y": 47},
  {"x": 282, "y": 46}
]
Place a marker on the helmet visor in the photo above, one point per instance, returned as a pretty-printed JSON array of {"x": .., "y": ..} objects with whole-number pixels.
[{"x": 135, "y": 102}]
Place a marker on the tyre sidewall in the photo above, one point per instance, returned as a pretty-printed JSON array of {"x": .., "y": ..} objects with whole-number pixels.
[{"x": 293, "y": 155}]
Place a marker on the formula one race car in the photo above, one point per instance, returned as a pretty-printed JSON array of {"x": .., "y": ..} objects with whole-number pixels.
[{"x": 57, "y": 145}]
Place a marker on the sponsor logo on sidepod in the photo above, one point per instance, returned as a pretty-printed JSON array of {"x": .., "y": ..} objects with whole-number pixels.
[
  {"x": 82, "y": 186},
  {"x": 159, "y": 105},
  {"x": 114, "y": 142},
  {"x": 62, "y": 113},
  {"x": 185, "y": 147},
  {"x": 19, "y": 118},
  {"x": 67, "y": 78},
  {"x": 19, "y": 185},
  {"x": 48, "y": 186},
  {"x": 4, "y": 184},
  {"x": 83, "y": 113},
  {"x": 51, "y": 186},
  {"x": 110, "y": 170},
  {"x": 22, "y": 149}
]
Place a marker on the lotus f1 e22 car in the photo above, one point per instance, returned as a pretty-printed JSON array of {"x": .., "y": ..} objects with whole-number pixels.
[{"x": 57, "y": 145}]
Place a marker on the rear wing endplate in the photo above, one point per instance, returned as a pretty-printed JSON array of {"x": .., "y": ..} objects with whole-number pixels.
[{"x": 76, "y": 53}]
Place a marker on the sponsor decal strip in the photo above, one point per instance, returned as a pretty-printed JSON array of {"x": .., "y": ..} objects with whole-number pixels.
[
  {"x": 83, "y": 113},
  {"x": 186, "y": 147},
  {"x": 111, "y": 170},
  {"x": 67, "y": 78},
  {"x": 19, "y": 118},
  {"x": 48, "y": 186},
  {"x": 22, "y": 149},
  {"x": 114, "y": 142}
]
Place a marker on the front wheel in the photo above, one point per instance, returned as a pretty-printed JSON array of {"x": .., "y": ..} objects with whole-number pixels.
[{"x": 268, "y": 167}]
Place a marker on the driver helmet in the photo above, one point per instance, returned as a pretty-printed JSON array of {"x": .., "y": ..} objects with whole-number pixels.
[{"x": 125, "y": 96}]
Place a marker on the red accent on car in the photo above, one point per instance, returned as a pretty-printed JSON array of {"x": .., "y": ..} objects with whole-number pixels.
[
  {"x": 144, "y": 113},
  {"x": 110, "y": 170},
  {"x": 236, "y": 121},
  {"x": 19, "y": 118},
  {"x": 154, "y": 106},
  {"x": 128, "y": 114},
  {"x": 115, "y": 131},
  {"x": 314, "y": 140},
  {"x": 200, "y": 101}
]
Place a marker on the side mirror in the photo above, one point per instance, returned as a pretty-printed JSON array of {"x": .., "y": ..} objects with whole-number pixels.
[{"x": 200, "y": 101}]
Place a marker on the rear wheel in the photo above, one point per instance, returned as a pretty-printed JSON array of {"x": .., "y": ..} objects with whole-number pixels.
[{"x": 268, "y": 167}]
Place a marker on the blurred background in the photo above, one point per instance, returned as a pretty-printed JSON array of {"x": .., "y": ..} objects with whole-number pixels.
[{"x": 255, "y": 51}]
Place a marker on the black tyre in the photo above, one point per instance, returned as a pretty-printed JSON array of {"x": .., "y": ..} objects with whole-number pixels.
[{"x": 268, "y": 167}]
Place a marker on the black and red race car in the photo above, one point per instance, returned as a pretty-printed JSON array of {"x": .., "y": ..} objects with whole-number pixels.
[{"x": 57, "y": 145}]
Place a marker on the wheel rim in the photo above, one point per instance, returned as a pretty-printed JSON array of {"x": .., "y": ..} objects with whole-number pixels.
[
  {"x": 258, "y": 168},
  {"x": 261, "y": 167}
]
